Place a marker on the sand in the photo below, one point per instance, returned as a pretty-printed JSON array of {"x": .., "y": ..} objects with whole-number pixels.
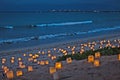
[{"x": 109, "y": 68}]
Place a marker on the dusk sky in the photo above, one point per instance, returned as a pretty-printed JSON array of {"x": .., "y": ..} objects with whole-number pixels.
[{"x": 59, "y": 4}]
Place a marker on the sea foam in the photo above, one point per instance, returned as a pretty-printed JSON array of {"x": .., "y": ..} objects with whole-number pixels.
[
  {"x": 65, "y": 23},
  {"x": 56, "y": 35},
  {"x": 7, "y": 27}
]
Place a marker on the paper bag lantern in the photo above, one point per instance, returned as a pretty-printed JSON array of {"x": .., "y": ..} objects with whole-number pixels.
[
  {"x": 68, "y": 47},
  {"x": 13, "y": 58},
  {"x": 3, "y": 60},
  {"x": 30, "y": 68},
  {"x": 42, "y": 63},
  {"x": 53, "y": 57},
  {"x": 52, "y": 70},
  {"x": 35, "y": 60},
  {"x": 58, "y": 65},
  {"x": 12, "y": 61},
  {"x": 43, "y": 52},
  {"x": 90, "y": 58},
  {"x": 5, "y": 68},
  {"x": 54, "y": 49},
  {"x": 10, "y": 74},
  {"x": 22, "y": 66},
  {"x": 19, "y": 59},
  {"x": 30, "y": 59},
  {"x": 97, "y": 55},
  {"x": 46, "y": 62},
  {"x": 73, "y": 52},
  {"x": 96, "y": 63},
  {"x": 118, "y": 56},
  {"x": 69, "y": 60},
  {"x": 49, "y": 55},
  {"x": 24, "y": 55},
  {"x": 30, "y": 55},
  {"x": 36, "y": 55},
  {"x": 19, "y": 73}
]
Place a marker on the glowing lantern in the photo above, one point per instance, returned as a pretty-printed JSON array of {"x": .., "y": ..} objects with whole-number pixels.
[
  {"x": 53, "y": 57},
  {"x": 52, "y": 70},
  {"x": 19, "y": 59},
  {"x": 55, "y": 49},
  {"x": 19, "y": 73},
  {"x": 24, "y": 55},
  {"x": 100, "y": 47},
  {"x": 36, "y": 55},
  {"x": 3, "y": 60},
  {"x": 46, "y": 62},
  {"x": 5, "y": 68},
  {"x": 96, "y": 63},
  {"x": 33, "y": 57},
  {"x": 69, "y": 60},
  {"x": 43, "y": 52},
  {"x": 97, "y": 55},
  {"x": 49, "y": 51},
  {"x": 72, "y": 49},
  {"x": 90, "y": 58},
  {"x": 60, "y": 49},
  {"x": 38, "y": 62},
  {"x": 30, "y": 59},
  {"x": 39, "y": 52},
  {"x": 73, "y": 52},
  {"x": 49, "y": 55},
  {"x": 12, "y": 57},
  {"x": 30, "y": 68},
  {"x": 58, "y": 65},
  {"x": 118, "y": 56},
  {"x": 42, "y": 63},
  {"x": 113, "y": 46},
  {"x": 10, "y": 74},
  {"x": 12, "y": 61},
  {"x": 35, "y": 60},
  {"x": 30, "y": 55},
  {"x": 68, "y": 47},
  {"x": 22, "y": 66}
]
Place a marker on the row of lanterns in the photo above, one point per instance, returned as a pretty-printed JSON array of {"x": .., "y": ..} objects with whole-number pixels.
[{"x": 58, "y": 65}]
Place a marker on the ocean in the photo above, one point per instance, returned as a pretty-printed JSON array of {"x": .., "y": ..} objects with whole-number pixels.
[{"x": 31, "y": 29}]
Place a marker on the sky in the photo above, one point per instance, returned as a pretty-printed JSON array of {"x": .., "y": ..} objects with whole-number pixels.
[{"x": 16, "y": 5}]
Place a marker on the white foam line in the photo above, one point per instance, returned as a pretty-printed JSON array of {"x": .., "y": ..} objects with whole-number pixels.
[
  {"x": 55, "y": 35},
  {"x": 65, "y": 23}
]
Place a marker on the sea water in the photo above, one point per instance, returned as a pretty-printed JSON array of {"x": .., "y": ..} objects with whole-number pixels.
[{"x": 50, "y": 27}]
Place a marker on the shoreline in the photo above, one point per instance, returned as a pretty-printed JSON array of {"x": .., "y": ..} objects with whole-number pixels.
[
  {"x": 61, "y": 44},
  {"x": 83, "y": 68}
]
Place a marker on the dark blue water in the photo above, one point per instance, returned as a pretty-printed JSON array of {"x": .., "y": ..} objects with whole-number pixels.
[{"x": 59, "y": 26}]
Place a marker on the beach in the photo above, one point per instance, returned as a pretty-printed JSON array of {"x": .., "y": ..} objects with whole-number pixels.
[
  {"x": 31, "y": 44},
  {"x": 77, "y": 70},
  {"x": 59, "y": 40},
  {"x": 42, "y": 57}
]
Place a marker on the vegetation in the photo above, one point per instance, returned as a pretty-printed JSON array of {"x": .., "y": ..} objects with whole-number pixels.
[{"x": 104, "y": 51}]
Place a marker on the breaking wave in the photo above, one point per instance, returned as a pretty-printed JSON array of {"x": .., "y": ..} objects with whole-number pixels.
[
  {"x": 55, "y": 35},
  {"x": 65, "y": 23},
  {"x": 44, "y": 25}
]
